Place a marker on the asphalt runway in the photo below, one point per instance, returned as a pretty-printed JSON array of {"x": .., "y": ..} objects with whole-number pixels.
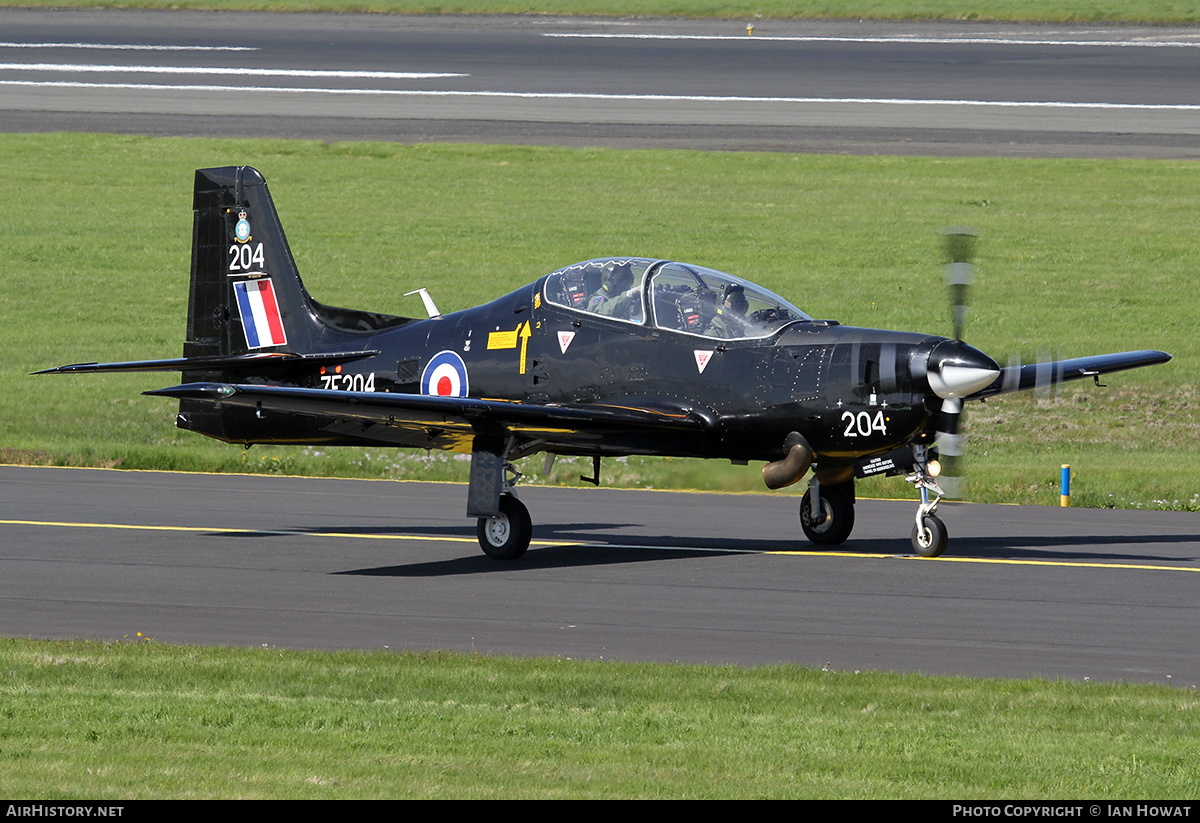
[
  {"x": 825, "y": 86},
  {"x": 628, "y": 575}
]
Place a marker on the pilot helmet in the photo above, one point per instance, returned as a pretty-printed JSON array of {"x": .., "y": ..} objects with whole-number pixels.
[
  {"x": 734, "y": 298},
  {"x": 619, "y": 278}
]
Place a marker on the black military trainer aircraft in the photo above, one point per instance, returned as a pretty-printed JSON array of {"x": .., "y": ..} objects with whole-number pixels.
[{"x": 608, "y": 357}]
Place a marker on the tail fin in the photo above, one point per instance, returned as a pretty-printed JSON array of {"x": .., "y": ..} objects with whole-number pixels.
[
  {"x": 246, "y": 294},
  {"x": 240, "y": 263},
  {"x": 249, "y": 315}
]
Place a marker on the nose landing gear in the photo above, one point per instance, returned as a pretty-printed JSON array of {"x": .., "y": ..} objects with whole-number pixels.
[{"x": 929, "y": 534}]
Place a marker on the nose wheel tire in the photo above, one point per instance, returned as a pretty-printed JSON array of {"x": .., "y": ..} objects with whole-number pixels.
[
  {"x": 929, "y": 538},
  {"x": 832, "y": 524},
  {"x": 505, "y": 536}
]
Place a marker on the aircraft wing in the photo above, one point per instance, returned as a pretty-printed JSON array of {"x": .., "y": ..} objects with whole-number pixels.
[
  {"x": 1050, "y": 373},
  {"x": 548, "y": 423}
]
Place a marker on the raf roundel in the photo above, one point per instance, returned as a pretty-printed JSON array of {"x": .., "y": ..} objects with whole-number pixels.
[{"x": 445, "y": 376}]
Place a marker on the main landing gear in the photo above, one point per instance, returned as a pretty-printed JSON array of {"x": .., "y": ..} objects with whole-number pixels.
[
  {"x": 827, "y": 512},
  {"x": 503, "y": 525}
]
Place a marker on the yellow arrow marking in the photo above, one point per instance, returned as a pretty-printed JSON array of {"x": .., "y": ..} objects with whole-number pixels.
[{"x": 525, "y": 333}]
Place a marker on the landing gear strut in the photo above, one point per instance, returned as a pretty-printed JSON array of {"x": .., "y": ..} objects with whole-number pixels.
[
  {"x": 929, "y": 534},
  {"x": 503, "y": 524},
  {"x": 827, "y": 512}
]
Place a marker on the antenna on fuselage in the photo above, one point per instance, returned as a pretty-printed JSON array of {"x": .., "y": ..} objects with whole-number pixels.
[{"x": 427, "y": 300}]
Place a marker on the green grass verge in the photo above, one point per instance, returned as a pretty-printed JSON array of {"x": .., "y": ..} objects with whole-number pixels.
[
  {"x": 143, "y": 720},
  {"x": 757, "y": 11},
  {"x": 1075, "y": 257}
]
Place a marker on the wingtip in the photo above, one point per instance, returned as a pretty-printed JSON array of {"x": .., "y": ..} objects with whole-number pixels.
[
  {"x": 73, "y": 367},
  {"x": 197, "y": 390}
]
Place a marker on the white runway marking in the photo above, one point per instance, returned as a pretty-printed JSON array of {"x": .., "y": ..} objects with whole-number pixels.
[
  {"x": 122, "y": 47},
  {"x": 686, "y": 98},
  {"x": 236, "y": 71},
  {"x": 937, "y": 41}
]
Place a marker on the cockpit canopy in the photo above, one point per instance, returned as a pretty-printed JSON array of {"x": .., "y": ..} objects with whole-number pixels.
[{"x": 674, "y": 296}]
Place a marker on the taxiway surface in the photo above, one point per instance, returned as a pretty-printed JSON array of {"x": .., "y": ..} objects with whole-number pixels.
[{"x": 631, "y": 575}]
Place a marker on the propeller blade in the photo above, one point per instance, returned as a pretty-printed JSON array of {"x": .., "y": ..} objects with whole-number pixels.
[
  {"x": 960, "y": 255},
  {"x": 952, "y": 449},
  {"x": 961, "y": 370},
  {"x": 1048, "y": 377},
  {"x": 1012, "y": 375}
]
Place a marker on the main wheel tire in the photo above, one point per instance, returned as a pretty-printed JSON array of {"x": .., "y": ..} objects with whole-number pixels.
[
  {"x": 835, "y": 520},
  {"x": 506, "y": 535},
  {"x": 930, "y": 541}
]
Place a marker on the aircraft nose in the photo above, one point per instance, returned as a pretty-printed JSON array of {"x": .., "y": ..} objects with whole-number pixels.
[{"x": 958, "y": 370}]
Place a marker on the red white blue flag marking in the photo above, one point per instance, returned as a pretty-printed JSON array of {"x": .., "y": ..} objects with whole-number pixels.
[{"x": 260, "y": 313}]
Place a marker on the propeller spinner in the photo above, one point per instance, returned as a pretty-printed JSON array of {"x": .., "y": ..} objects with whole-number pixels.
[{"x": 957, "y": 370}]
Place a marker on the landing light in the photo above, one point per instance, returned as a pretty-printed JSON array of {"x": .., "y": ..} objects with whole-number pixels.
[{"x": 934, "y": 468}]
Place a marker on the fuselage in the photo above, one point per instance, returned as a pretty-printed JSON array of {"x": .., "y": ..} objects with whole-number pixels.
[{"x": 751, "y": 377}]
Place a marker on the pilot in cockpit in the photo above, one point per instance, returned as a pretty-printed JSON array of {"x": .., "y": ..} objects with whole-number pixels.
[
  {"x": 701, "y": 312},
  {"x": 616, "y": 296},
  {"x": 615, "y": 282},
  {"x": 734, "y": 299},
  {"x": 730, "y": 319}
]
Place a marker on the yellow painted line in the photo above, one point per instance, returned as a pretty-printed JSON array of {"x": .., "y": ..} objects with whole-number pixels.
[
  {"x": 129, "y": 526},
  {"x": 280, "y": 532},
  {"x": 1069, "y": 563},
  {"x": 997, "y": 562},
  {"x": 445, "y": 539}
]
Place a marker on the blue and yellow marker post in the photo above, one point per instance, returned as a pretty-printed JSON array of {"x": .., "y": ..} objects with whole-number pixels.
[{"x": 1065, "y": 492}]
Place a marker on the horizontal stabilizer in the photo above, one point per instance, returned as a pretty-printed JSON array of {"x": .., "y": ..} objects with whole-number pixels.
[{"x": 247, "y": 362}]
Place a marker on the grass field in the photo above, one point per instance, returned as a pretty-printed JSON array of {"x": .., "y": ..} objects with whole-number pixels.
[
  {"x": 142, "y": 720},
  {"x": 1076, "y": 257}
]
